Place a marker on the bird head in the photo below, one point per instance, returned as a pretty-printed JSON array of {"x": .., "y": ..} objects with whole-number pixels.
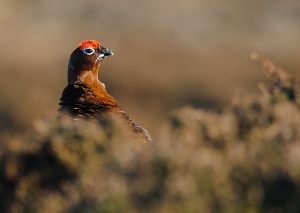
[{"x": 86, "y": 59}]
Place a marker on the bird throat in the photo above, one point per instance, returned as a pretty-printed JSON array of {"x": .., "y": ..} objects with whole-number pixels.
[
  {"x": 89, "y": 77},
  {"x": 84, "y": 75}
]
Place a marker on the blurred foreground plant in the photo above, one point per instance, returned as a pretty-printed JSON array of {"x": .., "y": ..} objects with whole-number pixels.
[{"x": 245, "y": 159}]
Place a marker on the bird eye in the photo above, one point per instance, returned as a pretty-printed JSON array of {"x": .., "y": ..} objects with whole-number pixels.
[{"x": 88, "y": 51}]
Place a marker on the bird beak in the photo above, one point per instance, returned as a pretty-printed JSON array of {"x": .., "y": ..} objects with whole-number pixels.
[
  {"x": 107, "y": 52},
  {"x": 104, "y": 52}
]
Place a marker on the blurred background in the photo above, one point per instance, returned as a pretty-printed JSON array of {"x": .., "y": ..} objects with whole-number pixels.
[{"x": 168, "y": 54}]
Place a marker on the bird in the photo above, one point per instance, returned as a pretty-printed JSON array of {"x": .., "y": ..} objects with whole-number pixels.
[{"x": 85, "y": 96}]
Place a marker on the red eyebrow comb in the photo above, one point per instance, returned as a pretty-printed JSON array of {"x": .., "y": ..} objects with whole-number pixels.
[{"x": 89, "y": 43}]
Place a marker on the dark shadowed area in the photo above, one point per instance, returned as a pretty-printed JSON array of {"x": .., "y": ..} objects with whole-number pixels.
[{"x": 167, "y": 54}]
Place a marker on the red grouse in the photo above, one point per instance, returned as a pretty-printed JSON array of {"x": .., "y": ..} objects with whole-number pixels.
[{"x": 85, "y": 96}]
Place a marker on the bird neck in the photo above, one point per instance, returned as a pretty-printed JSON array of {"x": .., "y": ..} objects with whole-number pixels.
[
  {"x": 84, "y": 74},
  {"x": 89, "y": 77}
]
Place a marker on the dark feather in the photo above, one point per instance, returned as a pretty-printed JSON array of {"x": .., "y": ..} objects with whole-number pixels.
[{"x": 79, "y": 100}]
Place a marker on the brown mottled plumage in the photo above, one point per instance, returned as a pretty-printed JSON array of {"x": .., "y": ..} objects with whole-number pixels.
[{"x": 85, "y": 96}]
